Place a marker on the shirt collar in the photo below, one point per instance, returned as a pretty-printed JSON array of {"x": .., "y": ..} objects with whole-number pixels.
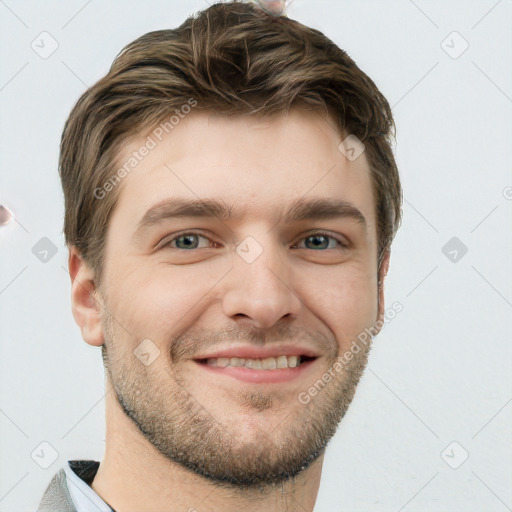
[{"x": 84, "y": 498}]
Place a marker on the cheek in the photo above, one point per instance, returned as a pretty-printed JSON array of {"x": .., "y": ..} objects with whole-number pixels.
[
  {"x": 346, "y": 301},
  {"x": 158, "y": 300}
]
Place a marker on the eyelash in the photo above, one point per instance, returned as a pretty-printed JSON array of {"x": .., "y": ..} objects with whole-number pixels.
[{"x": 342, "y": 245}]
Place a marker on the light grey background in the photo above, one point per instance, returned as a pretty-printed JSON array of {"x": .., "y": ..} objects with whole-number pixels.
[{"x": 439, "y": 372}]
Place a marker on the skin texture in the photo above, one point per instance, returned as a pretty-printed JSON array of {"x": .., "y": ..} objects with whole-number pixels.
[{"x": 179, "y": 437}]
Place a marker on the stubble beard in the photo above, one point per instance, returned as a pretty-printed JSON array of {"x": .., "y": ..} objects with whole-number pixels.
[{"x": 185, "y": 431}]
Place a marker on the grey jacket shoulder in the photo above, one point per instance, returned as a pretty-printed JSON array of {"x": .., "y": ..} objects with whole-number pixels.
[{"x": 56, "y": 498}]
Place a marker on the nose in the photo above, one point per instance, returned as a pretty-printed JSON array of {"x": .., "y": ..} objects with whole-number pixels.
[{"x": 260, "y": 293}]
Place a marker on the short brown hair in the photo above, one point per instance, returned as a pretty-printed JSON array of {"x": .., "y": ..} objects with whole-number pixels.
[{"x": 231, "y": 58}]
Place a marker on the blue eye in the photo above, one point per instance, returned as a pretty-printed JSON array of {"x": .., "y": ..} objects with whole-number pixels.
[
  {"x": 322, "y": 241},
  {"x": 186, "y": 241},
  {"x": 316, "y": 242}
]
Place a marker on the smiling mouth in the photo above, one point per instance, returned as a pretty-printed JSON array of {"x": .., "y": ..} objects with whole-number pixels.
[{"x": 268, "y": 363}]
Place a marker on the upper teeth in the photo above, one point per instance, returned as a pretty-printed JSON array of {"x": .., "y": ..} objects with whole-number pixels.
[{"x": 269, "y": 363}]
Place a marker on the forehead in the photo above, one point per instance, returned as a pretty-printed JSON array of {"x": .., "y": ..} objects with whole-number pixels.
[{"x": 255, "y": 165}]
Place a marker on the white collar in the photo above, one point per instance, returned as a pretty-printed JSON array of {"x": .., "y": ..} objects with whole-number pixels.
[{"x": 84, "y": 498}]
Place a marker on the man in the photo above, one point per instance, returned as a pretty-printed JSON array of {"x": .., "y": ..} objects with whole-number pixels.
[{"x": 231, "y": 196}]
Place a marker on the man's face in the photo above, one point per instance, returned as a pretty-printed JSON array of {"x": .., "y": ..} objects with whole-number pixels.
[{"x": 264, "y": 281}]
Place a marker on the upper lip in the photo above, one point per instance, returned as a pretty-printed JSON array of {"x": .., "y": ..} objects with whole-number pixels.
[{"x": 252, "y": 352}]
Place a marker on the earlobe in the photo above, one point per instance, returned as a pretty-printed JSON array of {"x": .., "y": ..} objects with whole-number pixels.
[{"x": 84, "y": 305}]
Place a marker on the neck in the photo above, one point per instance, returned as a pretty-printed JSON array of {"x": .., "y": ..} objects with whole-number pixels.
[{"x": 135, "y": 476}]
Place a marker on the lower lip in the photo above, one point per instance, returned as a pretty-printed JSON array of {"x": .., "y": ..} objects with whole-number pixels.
[{"x": 259, "y": 376}]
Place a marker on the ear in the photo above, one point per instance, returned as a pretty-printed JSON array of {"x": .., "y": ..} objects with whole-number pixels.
[
  {"x": 84, "y": 304},
  {"x": 382, "y": 272}
]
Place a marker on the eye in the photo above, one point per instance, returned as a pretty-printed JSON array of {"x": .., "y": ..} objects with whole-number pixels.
[
  {"x": 186, "y": 241},
  {"x": 190, "y": 240},
  {"x": 321, "y": 241}
]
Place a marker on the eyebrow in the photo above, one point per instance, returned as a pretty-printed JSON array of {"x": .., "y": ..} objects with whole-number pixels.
[{"x": 301, "y": 209}]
